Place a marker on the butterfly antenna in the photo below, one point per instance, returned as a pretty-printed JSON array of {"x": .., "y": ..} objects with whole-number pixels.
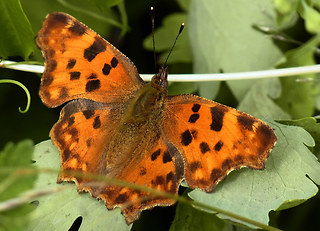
[
  {"x": 153, "y": 42},
  {"x": 180, "y": 31}
]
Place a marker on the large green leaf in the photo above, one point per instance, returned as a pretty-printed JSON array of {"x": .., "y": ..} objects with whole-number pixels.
[
  {"x": 17, "y": 38},
  {"x": 310, "y": 125},
  {"x": 13, "y": 184},
  {"x": 59, "y": 210},
  {"x": 222, "y": 38}
]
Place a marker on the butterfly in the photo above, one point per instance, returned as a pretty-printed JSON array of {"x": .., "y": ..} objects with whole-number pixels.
[{"x": 114, "y": 124}]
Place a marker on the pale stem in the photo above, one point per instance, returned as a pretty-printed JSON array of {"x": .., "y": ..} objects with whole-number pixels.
[{"x": 292, "y": 71}]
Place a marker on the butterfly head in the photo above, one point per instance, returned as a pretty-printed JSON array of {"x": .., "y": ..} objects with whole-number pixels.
[{"x": 160, "y": 80}]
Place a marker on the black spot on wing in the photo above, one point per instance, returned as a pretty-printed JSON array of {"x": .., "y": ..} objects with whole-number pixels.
[
  {"x": 97, "y": 47},
  {"x": 217, "y": 114},
  {"x": 196, "y": 107},
  {"x": 71, "y": 63},
  {"x": 106, "y": 69},
  {"x": 96, "y": 122},
  {"x": 77, "y": 28},
  {"x": 114, "y": 62},
  {"x": 186, "y": 138},
  {"x": 88, "y": 113},
  {"x": 75, "y": 75},
  {"x": 170, "y": 176},
  {"x": 218, "y": 145},
  {"x": 93, "y": 85},
  {"x": 155, "y": 155},
  {"x": 166, "y": 157},
  {"x": 193, "y": 118},
  {"x": 204, "y": 147}
]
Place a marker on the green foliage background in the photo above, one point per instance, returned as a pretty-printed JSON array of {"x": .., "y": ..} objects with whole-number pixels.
[{"x": 220, "y": 36}]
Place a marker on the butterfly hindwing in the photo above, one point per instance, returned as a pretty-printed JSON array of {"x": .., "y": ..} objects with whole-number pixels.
[
  {"x": 81, "y": 135},
  {"x": 81, "y": 64},
  {"x": 85, "y": 136},
  {"x": 157, "y": 170},
  {"x": 214, "y": 139}
]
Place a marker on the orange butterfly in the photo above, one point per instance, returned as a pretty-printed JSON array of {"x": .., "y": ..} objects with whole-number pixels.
[{"x": 119, "y": 126}]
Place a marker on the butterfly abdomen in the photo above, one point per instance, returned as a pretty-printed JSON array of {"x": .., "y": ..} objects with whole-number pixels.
[{"x": 138, "y": 128}]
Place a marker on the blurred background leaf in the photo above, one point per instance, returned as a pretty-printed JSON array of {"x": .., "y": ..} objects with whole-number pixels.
[
  {"x": 17, "y": 35},
  {"x": 13, "y": 184}
]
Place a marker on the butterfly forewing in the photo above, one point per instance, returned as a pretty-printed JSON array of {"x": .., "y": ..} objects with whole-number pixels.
[
  {"x": 81, "y": 64},
  {"x": 214, "y": 139}
]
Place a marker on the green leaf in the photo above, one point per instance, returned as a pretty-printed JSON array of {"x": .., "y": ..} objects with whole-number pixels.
[
  {"x": 286, "y": 12},
  {"x": 288, "y": 179},
  {"x": 59, "y": 210},
  {"x": 258, "y": 100},
  {"x": 184, "y": 4},
  {"x": 311, "y": 17},
  {"x": 181, "y": 88},
  {"x": 316, "y": 3},
  {"x": 190, "y": 218},
  {"x": 16, "y": 156},
  {"x": 227, "y": 42},
  {"x": 16, "y": 219},
  {"x": 310, "y": 125},
  {"x": 105, "y": 4},
  {"x": 165, "y": 36},
  {"x": 285, "y": 6},
  {"x": 13, "y": 184},
  {"x": 298, "y": 92},
  {"x": 208, "y": 90},
  {"x": 17, "y": 37}
]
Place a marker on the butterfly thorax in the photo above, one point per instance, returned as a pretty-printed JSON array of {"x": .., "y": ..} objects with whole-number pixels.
[
  {"x": 141, "y": 116},
  {"x": 148, "y": 99}
]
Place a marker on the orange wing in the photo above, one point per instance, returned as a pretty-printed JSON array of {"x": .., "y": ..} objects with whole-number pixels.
[
  {"x": 214, "y": 139},
  {"x": 81, "y": 64},
  {"x": 159, "y": 170},
  {"x": 84, "y": 136},
  {"x": 81, "y": 135}
]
